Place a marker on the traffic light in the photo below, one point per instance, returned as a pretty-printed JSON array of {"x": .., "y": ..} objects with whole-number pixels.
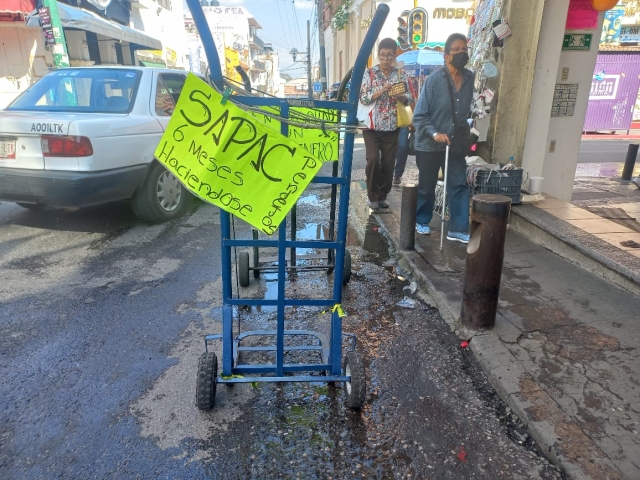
[
  {"x": 418, "y": 26},
  {"x": 403, "y": 30}
]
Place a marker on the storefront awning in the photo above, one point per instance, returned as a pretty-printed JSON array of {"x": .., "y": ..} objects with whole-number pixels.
[
  {"x": 152, "y": 64},
  {"x": 16, "y": 10},
  {"x": 80, "y": 19}
]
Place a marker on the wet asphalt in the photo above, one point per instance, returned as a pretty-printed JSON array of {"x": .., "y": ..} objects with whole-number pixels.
[{"x": 102, "y": 323}]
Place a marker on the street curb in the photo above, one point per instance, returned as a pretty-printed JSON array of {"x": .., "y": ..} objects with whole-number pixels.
[{"x": 503, "y": 370}]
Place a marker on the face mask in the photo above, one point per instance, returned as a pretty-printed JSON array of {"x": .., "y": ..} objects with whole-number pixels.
[{"x": 459, "y": 60}]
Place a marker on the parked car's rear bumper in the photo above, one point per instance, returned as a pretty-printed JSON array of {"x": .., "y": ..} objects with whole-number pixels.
[{"x": 70, "y": 189}]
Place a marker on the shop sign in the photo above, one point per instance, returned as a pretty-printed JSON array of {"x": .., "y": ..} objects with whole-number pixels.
[
  {"x": 612, "y": 25},
  {"x": 604, "y": 89},
  {"x": 581, "y": 16},
  {"x": 47, "y": 28},
  {"x": 452, "y": 13},
  {"x": 172, "y": 56},
  {"x": 630, "y": 34},
  {"x": 577, "y": 42}
]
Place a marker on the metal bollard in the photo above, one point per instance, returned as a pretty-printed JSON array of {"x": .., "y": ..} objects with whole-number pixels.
[
  {"x": 630, "y": 161},
  {"x": 485, "y": 253},
  {"x": 408, "y": 217}
]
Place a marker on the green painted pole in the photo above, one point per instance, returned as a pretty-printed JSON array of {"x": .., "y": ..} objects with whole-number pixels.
[{"x": 60, "y": 53}]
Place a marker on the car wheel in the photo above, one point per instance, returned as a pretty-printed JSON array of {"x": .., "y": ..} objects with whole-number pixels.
[{"x": 162, "y": 197}]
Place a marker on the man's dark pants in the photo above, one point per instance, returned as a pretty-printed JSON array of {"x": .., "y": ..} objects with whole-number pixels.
[
  {"x": 403, "y": 152},
  {"x": 381, "y": 148},
  {"x": 429, "y": 163}
]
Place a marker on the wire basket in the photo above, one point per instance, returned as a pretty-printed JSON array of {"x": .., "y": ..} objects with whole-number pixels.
[{"x": 437, "y": 208}]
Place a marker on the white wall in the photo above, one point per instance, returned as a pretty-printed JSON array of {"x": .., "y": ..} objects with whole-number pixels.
[
  {"x": 23, "y": 59},
  {"x": 561, "y": 134},
  {"x": 77, "y": 47},
  {"x": 164, "y": 25},
  {"x": 560, "y": 167},
  {"x": 546, "y": 70}
]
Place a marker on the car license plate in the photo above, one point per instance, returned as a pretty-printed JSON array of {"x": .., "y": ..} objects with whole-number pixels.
[{"x": 7, "y": 149}]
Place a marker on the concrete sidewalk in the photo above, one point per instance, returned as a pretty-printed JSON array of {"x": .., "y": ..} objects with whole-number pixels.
[{"x": 564, "y": 353}]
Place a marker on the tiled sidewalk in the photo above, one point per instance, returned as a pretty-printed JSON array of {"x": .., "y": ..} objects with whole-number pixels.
[{"x": 602, "y": 228}]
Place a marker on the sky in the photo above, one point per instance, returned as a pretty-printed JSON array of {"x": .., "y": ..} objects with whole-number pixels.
[{"x": 284, "y": 25}]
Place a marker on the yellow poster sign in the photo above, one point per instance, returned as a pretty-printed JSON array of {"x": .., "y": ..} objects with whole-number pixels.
[
  {"x": 231, "y": 60},
  {"x": 226, "y": 157},
  {"x": 322, "y": 144}
]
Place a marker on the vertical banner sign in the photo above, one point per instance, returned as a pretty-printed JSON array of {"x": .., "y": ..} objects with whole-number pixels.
[
  {"x": 581, "y": 15},
  {"x": 227, "y": 157},
  {"x": 45, "y": 24},
  {"x": 60, "y": 53}
]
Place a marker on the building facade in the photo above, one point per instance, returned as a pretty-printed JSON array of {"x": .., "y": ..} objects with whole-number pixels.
[
  {"x": 23, "y": 56},
  {"x": 344, "y": 37},
  {"x": 96, "y": 32},
  {"x": 235, "y": 33}
]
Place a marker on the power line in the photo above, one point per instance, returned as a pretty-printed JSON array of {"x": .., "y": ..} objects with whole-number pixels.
[
  {"x": 295, "y": 16},
  {"x": 288, "y": 30},
  {"x": 275, "y": 41},
  {"x": 285, "y": 30}
]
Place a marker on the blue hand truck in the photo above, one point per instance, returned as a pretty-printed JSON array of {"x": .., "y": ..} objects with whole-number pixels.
[{"x": 332, "y": 368}]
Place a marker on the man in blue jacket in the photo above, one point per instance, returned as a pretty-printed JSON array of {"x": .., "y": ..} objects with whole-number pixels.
[{"x": 434, "y": 122}]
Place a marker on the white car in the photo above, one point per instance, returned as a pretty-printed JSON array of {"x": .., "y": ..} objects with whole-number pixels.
[{"x": 84, "y": 136}]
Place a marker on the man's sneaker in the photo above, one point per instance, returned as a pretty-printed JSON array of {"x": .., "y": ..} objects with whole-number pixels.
[
  {"x": 423, "y": 229},
  {"x": 397, "y": 180},
  {"x": 458, "y": 237},
  {"x": 373, "y": 205},
  {"x": 383, "y": 204}
]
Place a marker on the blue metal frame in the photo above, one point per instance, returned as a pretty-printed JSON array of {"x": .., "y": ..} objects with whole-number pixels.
[{"x": 331, "y": 350}]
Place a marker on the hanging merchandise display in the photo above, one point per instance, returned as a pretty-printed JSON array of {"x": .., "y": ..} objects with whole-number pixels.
[
  {"x": 488, "y": 30},
  {"x": 484, "y": 35}
]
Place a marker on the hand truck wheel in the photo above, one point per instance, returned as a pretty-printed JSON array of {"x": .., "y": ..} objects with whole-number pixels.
[
  {"x": 206, "y": 381},
  {"x": 346, "y": 272},
  {"x": 243, "y": 269},
  {"x": 355, "y": 389}
]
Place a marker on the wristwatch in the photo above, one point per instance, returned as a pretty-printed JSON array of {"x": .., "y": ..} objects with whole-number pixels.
[{"x": 435, "y": 135}]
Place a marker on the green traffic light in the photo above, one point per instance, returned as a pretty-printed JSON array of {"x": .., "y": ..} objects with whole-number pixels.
[{"x": 417, "y": 38}]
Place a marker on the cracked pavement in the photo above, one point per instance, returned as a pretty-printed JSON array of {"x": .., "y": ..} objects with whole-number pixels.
[{"x": 563, "y": 353}]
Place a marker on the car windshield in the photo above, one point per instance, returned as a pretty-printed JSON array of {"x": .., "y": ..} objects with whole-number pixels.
[{"x": 100, "y": 90}]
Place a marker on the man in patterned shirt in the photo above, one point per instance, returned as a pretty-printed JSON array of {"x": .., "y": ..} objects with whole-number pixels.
[
  {"x": 434, "y": 121},
  {"x": 381, "y": 142}
]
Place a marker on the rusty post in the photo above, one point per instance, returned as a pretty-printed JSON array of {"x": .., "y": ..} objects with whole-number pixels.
[
  {"x": 485, "y": 253},
  {"x": 408, "y": 217}
]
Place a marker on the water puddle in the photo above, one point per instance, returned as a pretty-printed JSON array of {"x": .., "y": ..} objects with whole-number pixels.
[{"x": 375, "y": 242}]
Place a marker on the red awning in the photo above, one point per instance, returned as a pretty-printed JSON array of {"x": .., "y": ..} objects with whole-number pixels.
[{"x": 16, "y": 10}]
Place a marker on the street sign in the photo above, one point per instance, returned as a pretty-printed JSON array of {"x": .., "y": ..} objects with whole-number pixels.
[
  {"x": 630, "y": 35},
  {"x": 317, "y": 87},
  {"x": 577, "y": 42}
]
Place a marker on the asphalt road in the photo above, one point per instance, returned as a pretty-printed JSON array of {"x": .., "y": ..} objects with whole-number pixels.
[
  {"x": 102, "y": 326},
  {"x": 603, "y": 151}
]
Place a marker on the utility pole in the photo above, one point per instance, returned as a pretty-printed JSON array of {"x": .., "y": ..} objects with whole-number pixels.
[
  {"x": 323, "y": 58},
  {"x": 309, "y": 59},
  {"x": 54, "y": 32}
]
